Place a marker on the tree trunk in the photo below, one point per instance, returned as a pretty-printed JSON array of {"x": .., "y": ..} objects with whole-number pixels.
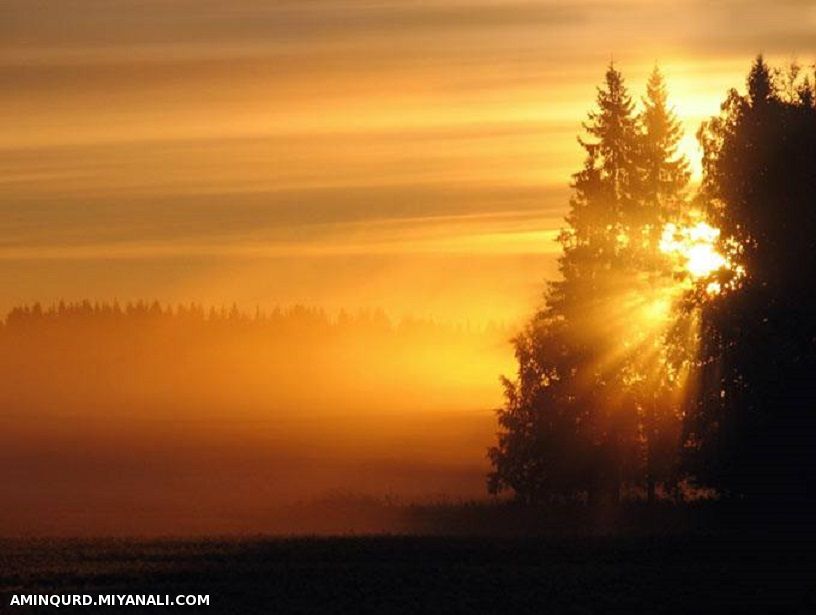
[{"x": 650, "y": 490}]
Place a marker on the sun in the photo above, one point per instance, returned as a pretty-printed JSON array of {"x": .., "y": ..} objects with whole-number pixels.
[
  {"x": 696, "y": 247},
  {"x": 699, "y": 254}
]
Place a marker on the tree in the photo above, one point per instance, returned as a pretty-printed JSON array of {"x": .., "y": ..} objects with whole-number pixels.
[
  {"x": 666, "y": 171},
  {"x": 663, "y": 197},
  {"x": 573, "y": 422},
  {"x": 754, "y": 425}
]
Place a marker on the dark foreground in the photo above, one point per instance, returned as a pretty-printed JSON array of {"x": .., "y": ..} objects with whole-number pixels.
[{"x": 730, "y": 572}]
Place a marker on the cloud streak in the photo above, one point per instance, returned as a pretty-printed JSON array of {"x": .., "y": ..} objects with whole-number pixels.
[{"x": 143, "y": 129}]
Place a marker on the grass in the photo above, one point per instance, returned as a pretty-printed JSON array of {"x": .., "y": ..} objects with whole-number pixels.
[{"x": 742, "y": 567}]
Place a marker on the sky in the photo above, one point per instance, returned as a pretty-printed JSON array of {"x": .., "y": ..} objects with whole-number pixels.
[{"x": 408, "y": 155}]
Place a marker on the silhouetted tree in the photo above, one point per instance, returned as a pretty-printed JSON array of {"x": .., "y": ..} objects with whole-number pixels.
[
  {"x": 665, "y": 171},
  {"x": 753, "y": 429},
  {"x": 574, "y": 420},
  {"x": 663, "y": 196}
]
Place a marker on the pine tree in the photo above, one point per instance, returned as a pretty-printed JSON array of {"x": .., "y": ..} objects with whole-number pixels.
[
  {"x": 574, "y": 418},
  {"x": 560, "y": 403},
  {"x": 666, "y": 172},
  {"x": 665, "y": 179}
]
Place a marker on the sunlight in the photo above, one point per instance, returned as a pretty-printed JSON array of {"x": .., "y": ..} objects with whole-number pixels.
[
  {"x": 696, "y": 252},
  {"x": 660, "y": 311},
  {"x": 703, "y": 259},
  {"x": 690, "y": 149}
]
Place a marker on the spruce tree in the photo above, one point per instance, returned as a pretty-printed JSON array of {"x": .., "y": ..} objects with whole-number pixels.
[
  {"x": 663, "y": 199},
  {"x": 665, "y": 171},
  {"x": 555, "y": 436},
  {"x": 573, "y": 422}
]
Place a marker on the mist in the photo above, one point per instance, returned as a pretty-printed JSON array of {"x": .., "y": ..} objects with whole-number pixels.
[{"x": 142, "y": 418}]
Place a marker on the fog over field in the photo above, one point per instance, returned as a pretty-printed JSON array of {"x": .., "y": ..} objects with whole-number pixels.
[{"x": 142, "y": 419}]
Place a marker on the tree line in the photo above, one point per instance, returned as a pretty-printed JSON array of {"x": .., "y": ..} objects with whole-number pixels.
[
  {"x": 143, "y": 358},
  {"x": 638, "y": 376},
  {"x": 276, "y": 322}
]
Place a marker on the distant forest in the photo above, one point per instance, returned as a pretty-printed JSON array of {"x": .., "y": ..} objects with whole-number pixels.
[{"x": 106, "y": 358}]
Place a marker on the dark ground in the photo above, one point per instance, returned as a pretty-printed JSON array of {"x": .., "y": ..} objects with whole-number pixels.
[{"x": 734, "y": 570}]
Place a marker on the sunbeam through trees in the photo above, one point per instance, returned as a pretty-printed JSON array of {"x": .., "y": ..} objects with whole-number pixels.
[{"x": 613, "y": 393}]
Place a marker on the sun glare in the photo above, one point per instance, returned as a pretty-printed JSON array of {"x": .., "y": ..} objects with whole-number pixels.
[
  {"x": 690, "y": 148},
  {"x": 697, "y": 253}
]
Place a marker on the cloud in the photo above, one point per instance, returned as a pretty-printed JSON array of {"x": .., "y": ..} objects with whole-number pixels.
[
  {"x": 78, "y": 23},
  {"x": 203, "y": 129}
]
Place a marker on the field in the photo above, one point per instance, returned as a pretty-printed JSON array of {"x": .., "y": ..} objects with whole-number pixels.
[{"x": 730, "y": 570}]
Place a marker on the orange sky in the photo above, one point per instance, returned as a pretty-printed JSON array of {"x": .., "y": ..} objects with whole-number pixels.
[{"x": 407, "y": 155}]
